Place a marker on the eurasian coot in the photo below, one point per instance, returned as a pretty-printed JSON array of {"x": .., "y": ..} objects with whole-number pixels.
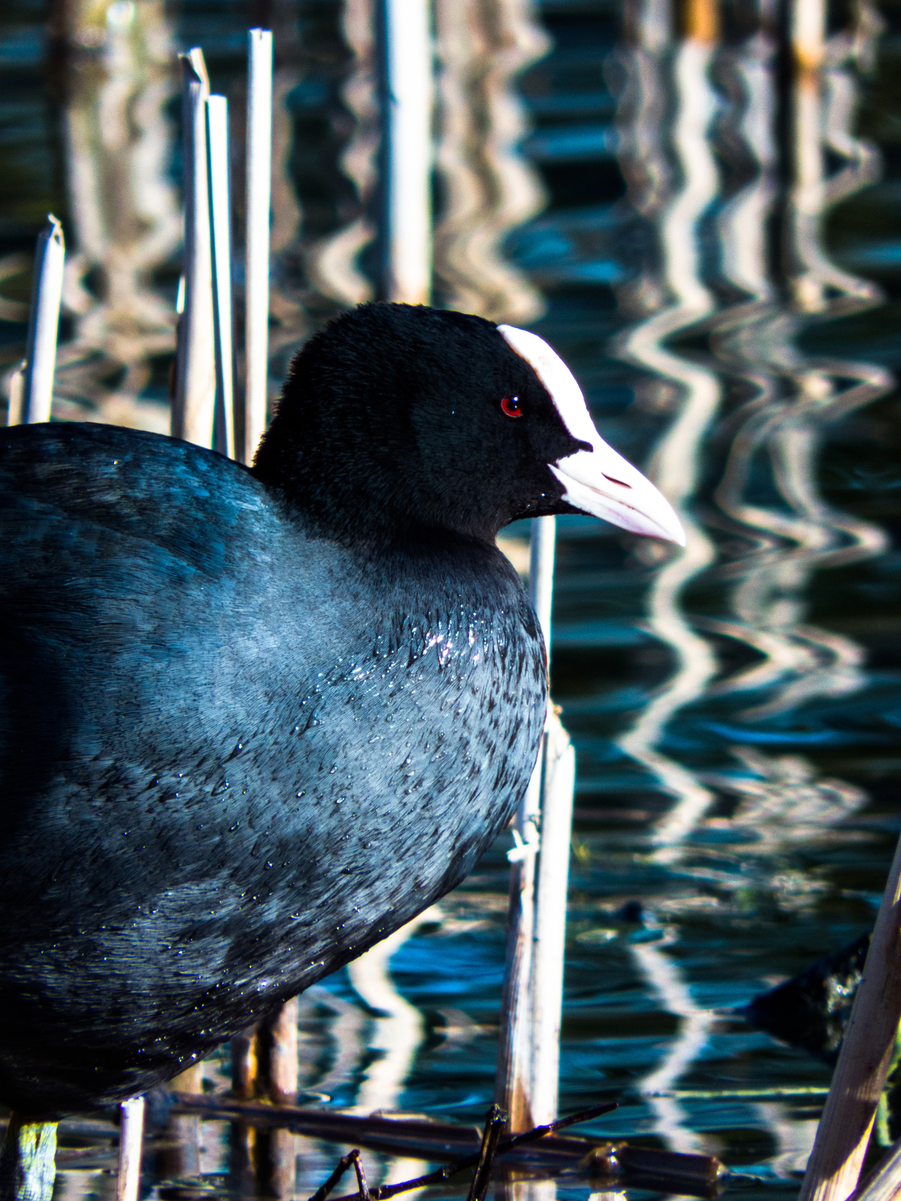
[{"x": 254, "y": 720}]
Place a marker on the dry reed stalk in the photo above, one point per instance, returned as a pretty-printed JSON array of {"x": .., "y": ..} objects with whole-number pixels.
[
  {"x": 221, "y": 241},
  {"x": 406, "y": 64},
  {"x": 866, "y": 1053},
  {"x": 15, "y": 395},
  {"x": 43, "y": 323},
  {"x": 131, "y": 1141},
  {"x": 195, "y": 380},
  {"x": 529, "y": 1048}
]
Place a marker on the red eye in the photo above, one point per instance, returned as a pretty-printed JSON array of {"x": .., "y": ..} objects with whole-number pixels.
[{"x": 511, "y": 407}]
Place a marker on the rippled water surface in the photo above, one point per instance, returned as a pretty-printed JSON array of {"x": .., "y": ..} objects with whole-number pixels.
[{"x": 714, "y": 245}]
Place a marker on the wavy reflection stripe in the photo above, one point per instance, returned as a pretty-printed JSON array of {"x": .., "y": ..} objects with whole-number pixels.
[
  {"x": 665, "y": 978},
  {"x": 675, "y": 462}
]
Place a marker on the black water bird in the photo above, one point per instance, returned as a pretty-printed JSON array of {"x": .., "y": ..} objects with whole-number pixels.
[{"x": 254, "y": 720}]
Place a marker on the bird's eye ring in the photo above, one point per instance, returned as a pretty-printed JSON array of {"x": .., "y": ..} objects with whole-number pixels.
[{"x": 511, "y": 407}]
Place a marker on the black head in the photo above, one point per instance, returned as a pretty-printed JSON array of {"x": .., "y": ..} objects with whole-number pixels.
[{"x": 396, "y": 418}]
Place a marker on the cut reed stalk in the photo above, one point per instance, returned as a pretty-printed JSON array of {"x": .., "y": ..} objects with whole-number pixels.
[
  {"x": 221, "y": 238},
  {"x": 43, "y": 323},
  {"x": 512, "y": 1089},
  {"x": 131, "y": 1142},
  {"x": 15, "y": 395},
  {"x": 406, "y": 71},
  {"x": 195, "y": 381}
]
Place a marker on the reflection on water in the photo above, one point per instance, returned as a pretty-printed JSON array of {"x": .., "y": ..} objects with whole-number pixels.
[
  {"x": 758, "y": 394},
  {"x": 665, "y": 980},
  {"x": 489, "y": 189},
  {"x": 115, "y": 69},
  {"x": 784, "y": 397},
  {"x": 681, "y": 299},
  {"x": 728, "y": 730}
]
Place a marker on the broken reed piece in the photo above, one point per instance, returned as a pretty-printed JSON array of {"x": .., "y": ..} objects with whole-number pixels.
[
  {"x": 193, "y": 405},
  {"x": 843, "y": 1134},
  {"x": 131, "y": 1142},
  {"x": 666, "y": 1171},
  {"x": 221, "y": 257},
  {"x": 43, "y": 323},
  {"x": 405, "y": 68},
  {"x": 258, "y": 206},
  {"x": 541, "y": 1152}
]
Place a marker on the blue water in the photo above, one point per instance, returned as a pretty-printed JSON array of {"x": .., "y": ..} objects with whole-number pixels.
[{"x": 790, "y": 728}]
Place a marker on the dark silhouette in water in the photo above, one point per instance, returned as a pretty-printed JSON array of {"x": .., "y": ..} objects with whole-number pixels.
[{"x": 253, "y": 721}]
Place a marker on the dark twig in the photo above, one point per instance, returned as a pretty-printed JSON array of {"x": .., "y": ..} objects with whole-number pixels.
[
  {"x": 494, "y": 1127},
  {"x": 437, "y": 1177},
  {"x": 340, "y": 1168},
  {"x": 472, "y": 1161},
  {"x": 361, "y": 1176}
]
